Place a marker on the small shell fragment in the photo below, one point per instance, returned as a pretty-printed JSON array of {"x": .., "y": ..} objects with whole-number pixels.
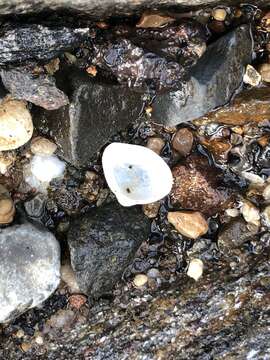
[{"x": 136, "y": 174}]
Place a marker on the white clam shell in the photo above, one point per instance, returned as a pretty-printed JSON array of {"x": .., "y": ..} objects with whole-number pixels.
[{"x": 136, "y": 174}]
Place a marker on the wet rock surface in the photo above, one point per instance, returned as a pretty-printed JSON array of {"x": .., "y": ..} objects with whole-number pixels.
[
  {"x": 103, "y": 243},
  {"x": 29, "y": 270},
  {"x": 95, "y": 113},
  {"x": 249, "y": 106},
  {"x": 214, "y": 79}
]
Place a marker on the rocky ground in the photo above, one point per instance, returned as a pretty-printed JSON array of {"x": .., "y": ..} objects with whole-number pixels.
[{"x": 186, "y": 277}]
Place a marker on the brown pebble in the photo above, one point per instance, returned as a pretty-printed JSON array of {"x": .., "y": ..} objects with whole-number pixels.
[
  {"x": 7, "y": 208},
  {"x": 152, "y": 20},
  {"x": 264, "y": 140},
  {"x": 189, "y": 224},
  {"x": 52, "y": 66},
  {"x": 156, "y": 144},
  {"x": 25, "y": 346},
  {"x": 76, "y": 301},
  {"x": 219, "y": 148},
  {"x": 264, "y": 70},
  {"x": 42, "y": 146},
  {"x": 102, "y": 25},
  {"x": 151, "y": 210},
  {"x": 183, "y": 141},
  {"x": 92, "y": 70}
]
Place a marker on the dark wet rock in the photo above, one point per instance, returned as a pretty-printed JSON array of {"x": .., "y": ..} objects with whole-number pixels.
[
  {"x": 198, "y": 186},
  {"x": 95, "y": 113},
  {"x": 182, "y": 141},
  {"x": 103, "y": 243},
  {"x": 141, "y": 71},
  {"x": 40, "y": 90},
  {"x": 234, "y": 235},
  {"x": 249, "y": 106},
  {"x": 29, "y": 268},
  {"x": 106, "y": 8},
  {"x": 22, "y": 43},
  {"x": 214, "y": 79}
]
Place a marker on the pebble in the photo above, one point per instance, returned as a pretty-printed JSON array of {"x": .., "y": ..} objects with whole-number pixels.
[
  {"x": 151, "y": 210},
  {"x": 46, "y": 168},
  {"x": 266, "y": 192},
  {"x": 29, "y": 268},
  {"x": 250, "y": 213},
  {"x": 182, "y": 141},
  {"x": 232, "y": 212},
  {"x": 264, "y": 70},
  {"x": 195, "y": 269},
  {"x": 189, "y": 224},
  {"x": 52, "y": 66},
  {"x": 68, "y": 276},
  {"x": 25, "y": 346},
  {"x": 16, "y": 124},
  {"x": 252, "y": 76},
  {"x": 153, "y": 20},
  {"x": 7, "y": 159},
  {"x": 39, "y": 340},
  {"x": 140, "y": 280},
  {"x": 42, "y": 146},
  {"x": 77, "y": 301},
  {"x": 7, "y": 208},
  {"x": 266, "y": 216},
  {"x": 156, "y": 144},
  {"x": 219, "y": 14}
]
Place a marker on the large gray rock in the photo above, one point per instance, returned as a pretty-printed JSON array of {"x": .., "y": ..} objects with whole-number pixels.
[
  {"x": 215, "y": 78},
  {"x": 103, "y": 243},
  {"x": 29, "y": 268},
  {"x": 108, "y": 7},
  {"x": 95, "y": 113}
]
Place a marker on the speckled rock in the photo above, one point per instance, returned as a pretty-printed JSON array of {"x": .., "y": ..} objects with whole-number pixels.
[
  {"x": 198, "y": 186},
  {"x": 103, "y": 243},
  {"x": 29, "y": 268}
]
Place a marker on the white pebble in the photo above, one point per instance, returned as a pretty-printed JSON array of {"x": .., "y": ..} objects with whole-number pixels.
[
  {"x": 251, "y": 76},
  {"x": 266, "y": 192},
  {"x": 195, "y": 269},
  {"x": 250, "y": 213},
  {"x": 232, "y": 212},
  {"x": 46, "y": 168},
  {"x": 140, "y": 280},
  {"x": 39, "y": 340}
]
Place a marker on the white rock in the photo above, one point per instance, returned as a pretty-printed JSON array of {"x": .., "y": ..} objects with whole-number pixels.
[
  {"x": 136, "y": 174},
  {"x": 29, "y": 268},
  {"x": 250, "y": 213},
  {"x": 253, "y": 178},
  {"x": 232, "y": 212},
  {"x": 140, "y": 280},
  {"x": 195, "y": 269},
  {"x": 266, "y": 192},
  {"x": 46, "y": 168},
  {"x": 251, "y": 76},
  {"x": 16, "y": 127}
]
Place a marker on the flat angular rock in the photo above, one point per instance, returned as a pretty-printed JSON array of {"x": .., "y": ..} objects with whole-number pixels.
[
  {"x": 29, "y": 268},
  {"x": 214, "y": 79},
  {"x": 103, "y": 243},
  {"x": 95, "y": 113}
]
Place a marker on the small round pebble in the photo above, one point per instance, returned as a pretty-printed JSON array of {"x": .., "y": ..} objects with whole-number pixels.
[
  {"x": 250, "y": 213},
  {"x": 76, "y": 301},
  {"x": 182, "y": 141},
  {"x": 219, "y": 14},
  {"x": 151, "y": 210},
  {"x": 140, "y": 280},
  {"x": 42, "y": 146},
  {"x": 266, "y": 192},
  {"x": 39, "y": 340},
  {"x": 156, "y": 144},
  {"x": 195, "y": 269}
]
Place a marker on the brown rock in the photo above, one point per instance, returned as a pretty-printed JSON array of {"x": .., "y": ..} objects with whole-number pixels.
[
  {"x": 182, "y": 141},
  {"x": 156, "y": 144},
  {"x": 152, "y": 20},
  {"x": 189, "y": 224},
  {"x": 218, "y": 148},
  {"x": 76, "y": 301},
  {"x": 264, "y": 70},
  {"x": 151, "y": 210},
  {"x": 249, "y": 106},
  {"x": 197, "y": 186}
]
